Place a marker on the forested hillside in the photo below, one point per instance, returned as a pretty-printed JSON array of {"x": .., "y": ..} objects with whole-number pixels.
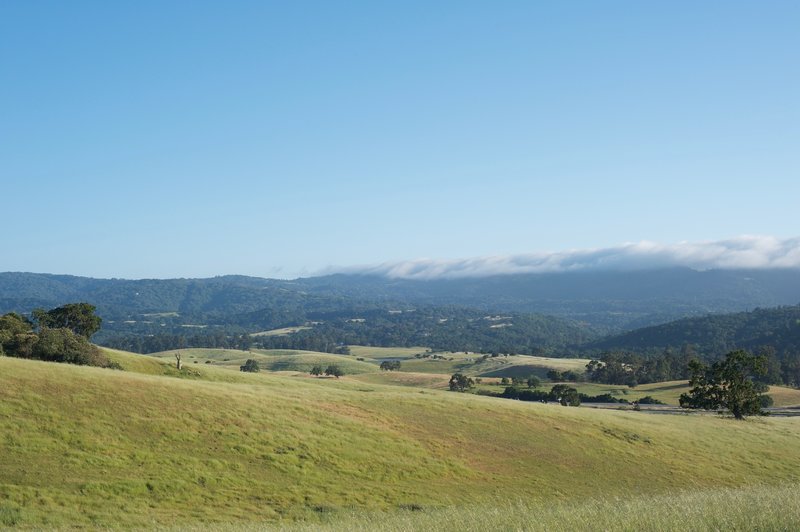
[
  {"x": 775, "y": 327},
  {"x": 610, "y": 301}
]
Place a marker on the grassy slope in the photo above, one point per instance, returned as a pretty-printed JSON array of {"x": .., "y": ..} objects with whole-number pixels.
[
  {"x": 749, "y": 508},
  {"x": 101, "y": 447},
  {"x": 269, "y": 360}
]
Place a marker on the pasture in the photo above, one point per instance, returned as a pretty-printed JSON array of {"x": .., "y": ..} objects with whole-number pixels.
[{"x": 103, "y": 448}]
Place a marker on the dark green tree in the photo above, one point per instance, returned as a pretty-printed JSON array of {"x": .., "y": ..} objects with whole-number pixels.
[
  {"x": 566, "y": 395},
  {"x": 390, "y": 365},
  {"x": 77, "y": 317},
  {"x": 334, "y": 370},
  {"x": 533, "y": 381},
  {"x": 63, "y": 345},
  {"x": 727, "y": 384},
  {"x": 316, "y": 370},
  {"x": 251, "y": 366},
  {"x": 17, "y": 338},
  {"x": 460, "y": 383}
]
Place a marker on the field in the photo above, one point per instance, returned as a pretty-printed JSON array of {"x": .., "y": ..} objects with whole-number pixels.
[
  {"x": 281, "y": 332},
  {"x": 102, "y": 448}
]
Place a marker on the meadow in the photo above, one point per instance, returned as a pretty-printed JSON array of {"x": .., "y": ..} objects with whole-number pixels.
[{"x": 210, "y": 446}]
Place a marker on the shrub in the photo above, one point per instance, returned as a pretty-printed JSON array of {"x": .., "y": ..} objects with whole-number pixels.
[{"x": 649, "y": 400}]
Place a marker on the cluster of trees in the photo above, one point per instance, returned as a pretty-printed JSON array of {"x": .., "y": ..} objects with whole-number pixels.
[
  {"x": 333, "y": 370},
  {"x": 58, "y": 335},
  {"x": 632, "y": 369},
  {"x": 568, "y": 375},
  {"x": 774, "y": 332}
]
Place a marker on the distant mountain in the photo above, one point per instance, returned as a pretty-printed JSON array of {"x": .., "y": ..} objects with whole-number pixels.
[
  {"x": 147, "y": 315},
  {"x": 609, "y": 300},
  {"x": 714, "y": 335}
]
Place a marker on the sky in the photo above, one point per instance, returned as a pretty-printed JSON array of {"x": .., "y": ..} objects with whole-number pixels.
[{"x": 281, "y": 139}]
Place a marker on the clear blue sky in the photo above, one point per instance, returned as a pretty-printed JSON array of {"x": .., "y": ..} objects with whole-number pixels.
[{"x": 169, "y": 139}]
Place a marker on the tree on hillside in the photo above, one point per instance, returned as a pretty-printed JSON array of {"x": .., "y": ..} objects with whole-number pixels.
[
  {"x": 16, "y": 336},
  {"x": 77, "y": 317},
  {"x": 250, "y": 366},
  {"x": 727, "y": 384},
  {"x": 460, "y": 383},
  {"x": 533, "y": 381},
  {"x": 566, "y": 395},
  {"x": 63, "y": 345},
  {"x": 334, "y": 370},
  {"x": 316, "y": 370},
  {"x": 390, "y": 365}
]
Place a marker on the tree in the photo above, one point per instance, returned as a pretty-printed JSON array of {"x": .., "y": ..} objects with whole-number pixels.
[
  {"x": 727, "y": 384},
  {"x": 316, "y": 370},
  {"x": 334, "y": 370},
  {"x": 251, "y": 366},
  {"x": 566, "y": 395},
  {"x": 554, "y": 375},
  {"x": 533, "y": 381},
  {"x": 63, "y": 345},
  {"x": 460, "y": 383},
  {"x": 16, "y": 336},
  {"x": 390, "y": 365},
  {"x": 77, "y": 317}
]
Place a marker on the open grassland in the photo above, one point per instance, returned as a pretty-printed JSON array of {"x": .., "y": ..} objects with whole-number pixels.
[
  {"x": 368, "y": 371},
  {"x": 268, "y": 360},
  {"x": 405, "y": 378},
  {"x": 784, "y": 396},
  {"x": 93, "y": 447},
  {"x": 750, "y": 508},
  {"x": 476, "y": 365},
  {"x": 378, "y": 353}
]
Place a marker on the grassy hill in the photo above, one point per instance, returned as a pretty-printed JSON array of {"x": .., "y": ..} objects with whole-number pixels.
[
  {"x": 268, "y": 359},
  {"x": 94, "y": 447}
]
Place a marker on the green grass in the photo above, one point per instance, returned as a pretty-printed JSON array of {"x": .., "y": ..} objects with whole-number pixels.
[
  {"x": 473, "y": 364},
  {"x": 405, "y": 378},
  {"x": 268, "y": 360},
  {"x": 91, "y": 447},
  {"x": 385, "y": 352},
  {"x": 750, "y": 508}
]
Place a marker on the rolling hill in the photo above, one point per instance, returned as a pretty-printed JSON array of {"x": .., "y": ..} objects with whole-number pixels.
[{"x": 103, "y": 448}]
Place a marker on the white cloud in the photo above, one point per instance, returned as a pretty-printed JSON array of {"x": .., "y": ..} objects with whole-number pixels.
[{"x": 741, "y": 252}]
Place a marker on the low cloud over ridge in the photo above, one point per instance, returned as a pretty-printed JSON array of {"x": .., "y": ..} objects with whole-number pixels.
[{"x": 745, "y": 252}]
